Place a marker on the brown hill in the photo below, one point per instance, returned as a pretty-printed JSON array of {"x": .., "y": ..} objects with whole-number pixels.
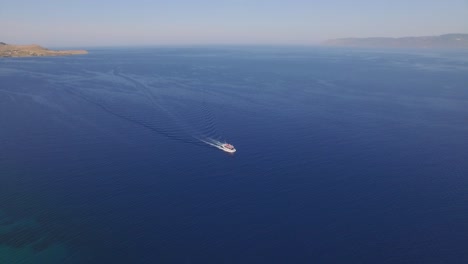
[{"x": 34, "y": 51}]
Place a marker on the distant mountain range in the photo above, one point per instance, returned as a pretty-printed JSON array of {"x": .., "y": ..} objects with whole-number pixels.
[
  {"x": 7, "y": 50},
  {"x": 447, "y": 41}
]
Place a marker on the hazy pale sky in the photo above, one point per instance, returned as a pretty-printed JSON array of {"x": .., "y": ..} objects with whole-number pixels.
[{"x": 156, "y": 22}]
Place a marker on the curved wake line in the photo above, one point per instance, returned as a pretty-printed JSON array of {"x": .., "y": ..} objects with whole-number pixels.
[
  {"x": 155, "y": 101},
  {"x": 130, "y": 119},
  {"x": 200, "y": 134},
  {"x": 203, "y": 133}
]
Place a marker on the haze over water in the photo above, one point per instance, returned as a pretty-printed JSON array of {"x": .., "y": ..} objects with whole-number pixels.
[{"x": 343, "y": 156}]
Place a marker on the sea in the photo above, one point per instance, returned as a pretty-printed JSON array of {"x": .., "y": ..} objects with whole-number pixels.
[{"x": 344, "y": 155}]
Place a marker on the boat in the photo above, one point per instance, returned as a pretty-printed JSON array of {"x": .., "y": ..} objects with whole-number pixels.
[{"x": 227, "y": 147}]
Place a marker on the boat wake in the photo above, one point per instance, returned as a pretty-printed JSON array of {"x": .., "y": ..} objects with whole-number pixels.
[
  {"x": 218, "y": 144},
  {"x": 145, "y": 105}
]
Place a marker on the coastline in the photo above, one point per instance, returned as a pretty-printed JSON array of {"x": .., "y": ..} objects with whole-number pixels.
[{"x": 18, "y": 51}]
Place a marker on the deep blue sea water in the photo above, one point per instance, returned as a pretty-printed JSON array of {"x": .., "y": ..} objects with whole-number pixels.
[{"x": 343, "y": 156}]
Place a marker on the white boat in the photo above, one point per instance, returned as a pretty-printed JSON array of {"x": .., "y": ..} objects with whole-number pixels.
[{"x": 227, "y": 147}]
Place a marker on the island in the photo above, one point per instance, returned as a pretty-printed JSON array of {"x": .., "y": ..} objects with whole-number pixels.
[
  {"x": 447, "y": 41},
  {"x": 7, "y": 50}
]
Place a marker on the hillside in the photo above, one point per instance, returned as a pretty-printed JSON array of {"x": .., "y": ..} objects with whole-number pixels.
[
  {"x": 447, "y": 41},
  {"x": 7, "y": 50}
]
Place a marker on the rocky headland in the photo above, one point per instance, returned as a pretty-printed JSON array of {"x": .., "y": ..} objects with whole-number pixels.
[{"x": 7, "y": 50}]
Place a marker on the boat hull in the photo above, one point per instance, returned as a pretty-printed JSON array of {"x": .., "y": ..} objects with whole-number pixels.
[{"x": 228, "y": 150}]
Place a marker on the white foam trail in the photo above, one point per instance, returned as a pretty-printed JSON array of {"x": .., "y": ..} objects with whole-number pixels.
[{"x": 212, "y": 142}]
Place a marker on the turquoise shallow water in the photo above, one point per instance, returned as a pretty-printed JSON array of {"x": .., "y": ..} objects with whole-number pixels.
[
  {"x": 23, "y": 242},
  {"x": 343, "y": 156}
]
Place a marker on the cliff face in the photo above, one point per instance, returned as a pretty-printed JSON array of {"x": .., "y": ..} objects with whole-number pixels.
[
  {"x": 448, "y": 41},
  {"x": 33, "y": 51}
]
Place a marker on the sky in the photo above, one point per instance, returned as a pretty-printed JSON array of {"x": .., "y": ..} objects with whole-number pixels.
[{"x": 199, "y": 22}]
